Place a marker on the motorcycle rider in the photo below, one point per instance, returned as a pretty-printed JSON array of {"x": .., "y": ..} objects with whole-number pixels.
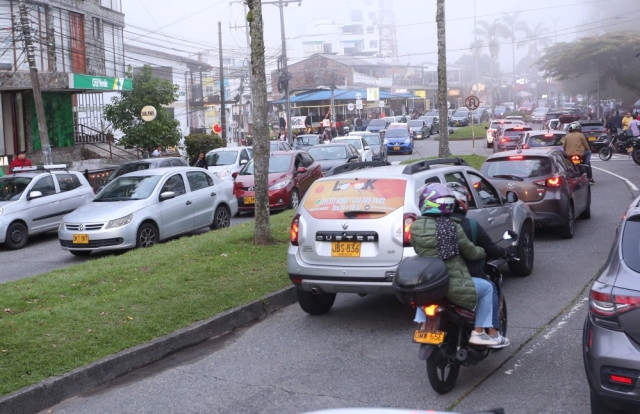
[
  {"x": 575, "y": 143},
  {"x": 435, "y": 233}
]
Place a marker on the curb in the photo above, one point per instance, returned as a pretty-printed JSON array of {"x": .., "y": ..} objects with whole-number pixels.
[{"x": 51, "y": 391}]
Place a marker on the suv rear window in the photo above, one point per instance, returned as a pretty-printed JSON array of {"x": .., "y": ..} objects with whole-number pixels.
[
  {"x": 631, "y": 243},
  {"x": 518, "y": 166},
  {"x": 354, "y": 198}
]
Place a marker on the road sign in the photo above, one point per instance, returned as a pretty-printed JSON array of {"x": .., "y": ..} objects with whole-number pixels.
[
  {"x": 148, "y": 113},
  {"x": 358, "y": 96},
  {"x": 472, "y": 102},
  {"x": 359, "y": 104},
  {"x": 350, "y": 106},
  {"x": 217, "y": 128}
]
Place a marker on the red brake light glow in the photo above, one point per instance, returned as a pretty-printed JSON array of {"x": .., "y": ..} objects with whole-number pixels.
[
  {"x": 430, "y": 310},
  {"x": 409, "y": 218},
  {"x": 620, "y": 379},
  {"x": 516, "y": 157},
  {"x": 554, "y": 182},
  {"x": 548, "y": 135}
]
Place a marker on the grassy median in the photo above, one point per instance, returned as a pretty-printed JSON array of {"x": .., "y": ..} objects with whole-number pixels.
[
  {"x": 466, "y": 132},
  {"x": 68, "y": 318}
]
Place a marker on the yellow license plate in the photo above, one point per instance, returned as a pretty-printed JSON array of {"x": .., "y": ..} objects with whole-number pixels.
[
  {"x": 80, "y": 239},
  {"x": 396, "y": 148},
  {"x": 345, "y": 249},
  {"x": 427, "y": 337},
  {"x": 629, "y": 149},
  {"x": 592, "y": 138},
  {"x": 249, "y": 200}
]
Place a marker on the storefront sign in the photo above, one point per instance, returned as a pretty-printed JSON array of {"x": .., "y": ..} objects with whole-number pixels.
[{"x": 77, "y": 81}]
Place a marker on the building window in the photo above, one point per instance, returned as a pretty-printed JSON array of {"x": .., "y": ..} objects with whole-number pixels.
[
  {"x": 356, "y": 15},
  {"x": 326, "y": 48},
  {"x": 97, "y": 31},
  {"x": 353, "y": 29},
  {"x": 113, "y": 50},
  {"x": 112, "y": 4},
  {"x": 369, "y": 29},
  {"x": 373, "y": 44},
  {"x": 312, "y": 48},
  {"x": 372, "y": 16}
]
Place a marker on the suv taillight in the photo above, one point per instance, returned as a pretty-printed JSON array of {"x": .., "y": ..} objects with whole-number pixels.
[
  {"x": 408, "y": 220},
  {"x": 295, "y": 229},
  {"x": 604, "y": 307}
]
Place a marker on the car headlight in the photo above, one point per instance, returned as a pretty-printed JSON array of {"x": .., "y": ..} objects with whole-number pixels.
[
  {"x": 280, "y": 184},
  {"x": 407, "y": 141},
  {"x": 119, "y": 222},
  {"x": 223, "y": 173}
]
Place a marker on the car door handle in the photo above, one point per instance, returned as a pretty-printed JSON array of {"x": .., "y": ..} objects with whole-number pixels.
[
  {"x": 188, "y": 203},
  {"x": 490, "y": 219},
  {"x": 213, "y": 194}
]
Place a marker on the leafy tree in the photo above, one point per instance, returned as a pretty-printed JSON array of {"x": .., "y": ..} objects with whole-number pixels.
[
  {"x": 611, "y": 60},
  {"x": 124, "y": 112}
]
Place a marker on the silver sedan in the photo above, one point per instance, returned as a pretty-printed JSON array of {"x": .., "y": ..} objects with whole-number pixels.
[{"x": 143, "y": 207}]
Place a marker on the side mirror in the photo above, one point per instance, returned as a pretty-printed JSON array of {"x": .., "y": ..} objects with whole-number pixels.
[
  {"x": 366, "y": 148},
  {"x": 301, "y": 170},
  {"x": 167, "y": 195},
  {"x": 34, "y": 194},
  {"x": 243, "y": 162},
  {"x": 512, "y": 197}
]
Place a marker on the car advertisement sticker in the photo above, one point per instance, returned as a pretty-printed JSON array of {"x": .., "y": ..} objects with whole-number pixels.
[{"x": 354, "y": 198}]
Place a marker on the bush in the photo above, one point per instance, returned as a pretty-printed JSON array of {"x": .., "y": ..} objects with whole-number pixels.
[{"x": 195, "y": 143}]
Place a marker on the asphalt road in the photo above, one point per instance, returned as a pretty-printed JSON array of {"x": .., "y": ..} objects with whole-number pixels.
[{"x": 360, "y": 354}]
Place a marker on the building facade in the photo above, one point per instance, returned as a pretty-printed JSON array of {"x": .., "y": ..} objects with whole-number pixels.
[{"x": 79, "y": 53}]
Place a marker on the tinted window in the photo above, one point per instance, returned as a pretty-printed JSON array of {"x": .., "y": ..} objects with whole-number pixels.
[
  {"x": 458, "y": 177},
  {"x": 487, "y": 193},
  {"x": 68, "y": 182},
  {"x": 198, "y": 180},
  {"x": 11, "y": 188},
  {"x": 524, "y": 167},
  {"x": 631, "y": 243},
  {"x": 277, "y": 164},
  {"x": 397, "y": 133},
  {"x": 329, "y": 152},
  {"x": 378, "y": 123},
  {"x": 416, "y": 124},
  {"x": 225, "y": 157},
  {"x": 307, "y": 160},
  {"x": 45, "y": 186},
  {"x": 372, "y": 139},
  {"x": 175, "y": 184}
]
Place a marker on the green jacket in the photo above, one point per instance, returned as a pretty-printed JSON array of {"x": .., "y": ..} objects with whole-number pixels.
[{"x": 462, "y": 291}]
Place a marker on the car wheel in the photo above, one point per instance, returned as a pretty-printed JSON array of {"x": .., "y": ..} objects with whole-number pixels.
[
  {"x": 80, "y": 253},
  {"x": 586, "y": 214},
  {"x": 147, "y": 235},
  {"x": 566, "y": 231},
  {"x": 315, "y": 303},
  {"x": 442, "y": 371},
  {"x": 525, "y": 253},
  {"x": 221, "y": 218},
  {"x": 17, "y": 236},
  {"x": 295, "y": 199}
]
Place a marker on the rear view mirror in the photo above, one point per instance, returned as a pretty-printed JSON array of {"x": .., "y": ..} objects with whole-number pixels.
[
  {"x": 167, "y": 195},
  {"x": 35, "y": 194},
  {"x": 512, "y": 197}
]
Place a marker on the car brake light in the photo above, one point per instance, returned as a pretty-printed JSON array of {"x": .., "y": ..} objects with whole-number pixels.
[
  {"x": 548, "y": 135},
  {"x": 409, "y": 218},
  {"x": 554, "y": 182},
  {"x": 295, "y": 229},
  {"x": 621, "y": 379},
  {"x": 504, "y": 139},
  {"x": 516, "y": 157}
]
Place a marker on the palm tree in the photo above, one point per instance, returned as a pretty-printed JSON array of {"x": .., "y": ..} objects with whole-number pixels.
[
  {"x": 490, "y": 35},
  {"x": 513, "y": 24},
  {"x": 535, "y": 41}
]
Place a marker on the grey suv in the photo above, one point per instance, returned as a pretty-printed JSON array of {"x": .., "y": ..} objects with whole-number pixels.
[{"x": 351, "y": 230}]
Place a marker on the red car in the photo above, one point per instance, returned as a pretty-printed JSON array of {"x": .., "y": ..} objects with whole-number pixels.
[{"x": 290, "y": 175}]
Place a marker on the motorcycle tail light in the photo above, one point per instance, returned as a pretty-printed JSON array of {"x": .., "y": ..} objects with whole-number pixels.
[
  {"x": 295, "y": 229},
  {"x": 430, "y": 310},
  {"x": 409, "y": 218}
]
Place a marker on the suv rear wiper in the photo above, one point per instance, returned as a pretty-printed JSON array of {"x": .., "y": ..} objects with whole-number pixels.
[
  {"x": 351, "y": 213},
  {"x": 509, "y": 176}
]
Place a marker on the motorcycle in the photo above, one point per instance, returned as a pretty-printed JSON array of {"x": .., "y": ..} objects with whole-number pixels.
[
  {"x": 444, "y": 338},
  {"x": 622, "y": 143}
]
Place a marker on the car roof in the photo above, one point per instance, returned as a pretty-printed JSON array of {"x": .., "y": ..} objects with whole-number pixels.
[
  {"x": 331, "y": 144},
  {"x": 398, "y": 124},
  {"x": 404, "y": 171},
  {"x": 221, "y": 149},
  {"x": 162, "y": 171}
]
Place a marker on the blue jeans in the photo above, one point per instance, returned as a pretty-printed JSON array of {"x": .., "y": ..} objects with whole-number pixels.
[
  {"x": 587, "y": 157},
  {"x": 487, "y": 301}
]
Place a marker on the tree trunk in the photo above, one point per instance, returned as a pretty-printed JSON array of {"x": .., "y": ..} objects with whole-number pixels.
[
  {"x": 443, "y": 149},
  {"x": 262, "y": 234}
]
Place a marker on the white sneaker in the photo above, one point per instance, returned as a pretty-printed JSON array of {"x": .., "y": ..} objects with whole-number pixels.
[
  {"x": 502, "y": 342},
  {"x": 482, "y": 339}
]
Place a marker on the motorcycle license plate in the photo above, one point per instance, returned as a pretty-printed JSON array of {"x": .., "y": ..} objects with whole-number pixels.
[
  {"x": 80, "y": 239},
  {"x": 345, "y": 249},
  {"x": 428, "y": 337},
  {"x": 592, "y": 138}
]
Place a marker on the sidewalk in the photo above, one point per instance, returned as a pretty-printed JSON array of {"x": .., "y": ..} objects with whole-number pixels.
[{"x": 53, "y": 390}]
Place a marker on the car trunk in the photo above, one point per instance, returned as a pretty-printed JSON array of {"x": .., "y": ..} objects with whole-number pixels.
[{"x": 628, "y": 281}]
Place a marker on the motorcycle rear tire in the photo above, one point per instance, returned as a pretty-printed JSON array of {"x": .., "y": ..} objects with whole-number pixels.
[
  {"x": 635, "y": 155},
  {"x": 442, "y": 371},
  {"x": 605, "y": 154}
]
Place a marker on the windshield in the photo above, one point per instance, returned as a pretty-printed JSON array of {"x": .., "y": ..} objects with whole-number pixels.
[
  {"x": 221, "y": 158},
  {"x": 461, "y": 114},
  {"x": 11, "y": 188},
  {"x": 377, "y": 123},
  {"x": 277, "y": 164},
  {"x": 329, "y": 153},
  {"x": 545, "y": 140},
  {"x": 356, "y": 142},
  {"x": 416, "y": 124},
  {"x": 128, "y": 188},
  {"x": 524, "y": 168},
  {"x": 397, "y": 133},
  {"x": 514, "y": 133},
  {"x": 372, "y": 139},
  {"x": 307, "y": 140},
  {"x": 127, "y": 168}
]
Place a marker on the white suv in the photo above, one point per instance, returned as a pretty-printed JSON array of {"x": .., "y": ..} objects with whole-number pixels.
[{"x": 352, "y": 229}]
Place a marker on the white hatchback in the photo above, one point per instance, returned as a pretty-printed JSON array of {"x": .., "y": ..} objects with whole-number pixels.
[
  {"x": 225, "y": 161},
  {"x": 361, "y": 145}
]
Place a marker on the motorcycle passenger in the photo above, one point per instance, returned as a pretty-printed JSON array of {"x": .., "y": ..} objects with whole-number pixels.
[
  {"x": 477, "y": 234},
  {"x": 634, "y": 127},
  {"x": 575, "y": 143},
  {"x": 436, "y": 234}
]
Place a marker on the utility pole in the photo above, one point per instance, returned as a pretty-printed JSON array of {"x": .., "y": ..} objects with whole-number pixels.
[
  {"x": 35, "y": 83},
  {"x": 284, "y": 75},
  {"x": 223, "y": 109},
  {"x": 250, "y": 106}
]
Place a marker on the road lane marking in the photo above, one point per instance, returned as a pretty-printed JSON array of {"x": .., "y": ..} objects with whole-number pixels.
[{"x": 629, "y": 183}]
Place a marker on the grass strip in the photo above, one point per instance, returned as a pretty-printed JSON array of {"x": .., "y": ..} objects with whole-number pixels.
[
  {"x": 53, "y": 323},
  {"x": 474, "y": 161},
  {"x": 466, "y": 132}
]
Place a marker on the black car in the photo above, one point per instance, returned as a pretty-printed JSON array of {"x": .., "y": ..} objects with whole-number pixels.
[
  {"x": 481, "y": 115},
  {"x": 419, "y": 129},
  {"x": 375, "y": 143},
  {"x": 377, "y": 125},
  {"x": 596, "y": 134},
  {"x": 612, "y": 328},
  {"x": 460, "y": 118},
  {"x": 334, "y": 154}
]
